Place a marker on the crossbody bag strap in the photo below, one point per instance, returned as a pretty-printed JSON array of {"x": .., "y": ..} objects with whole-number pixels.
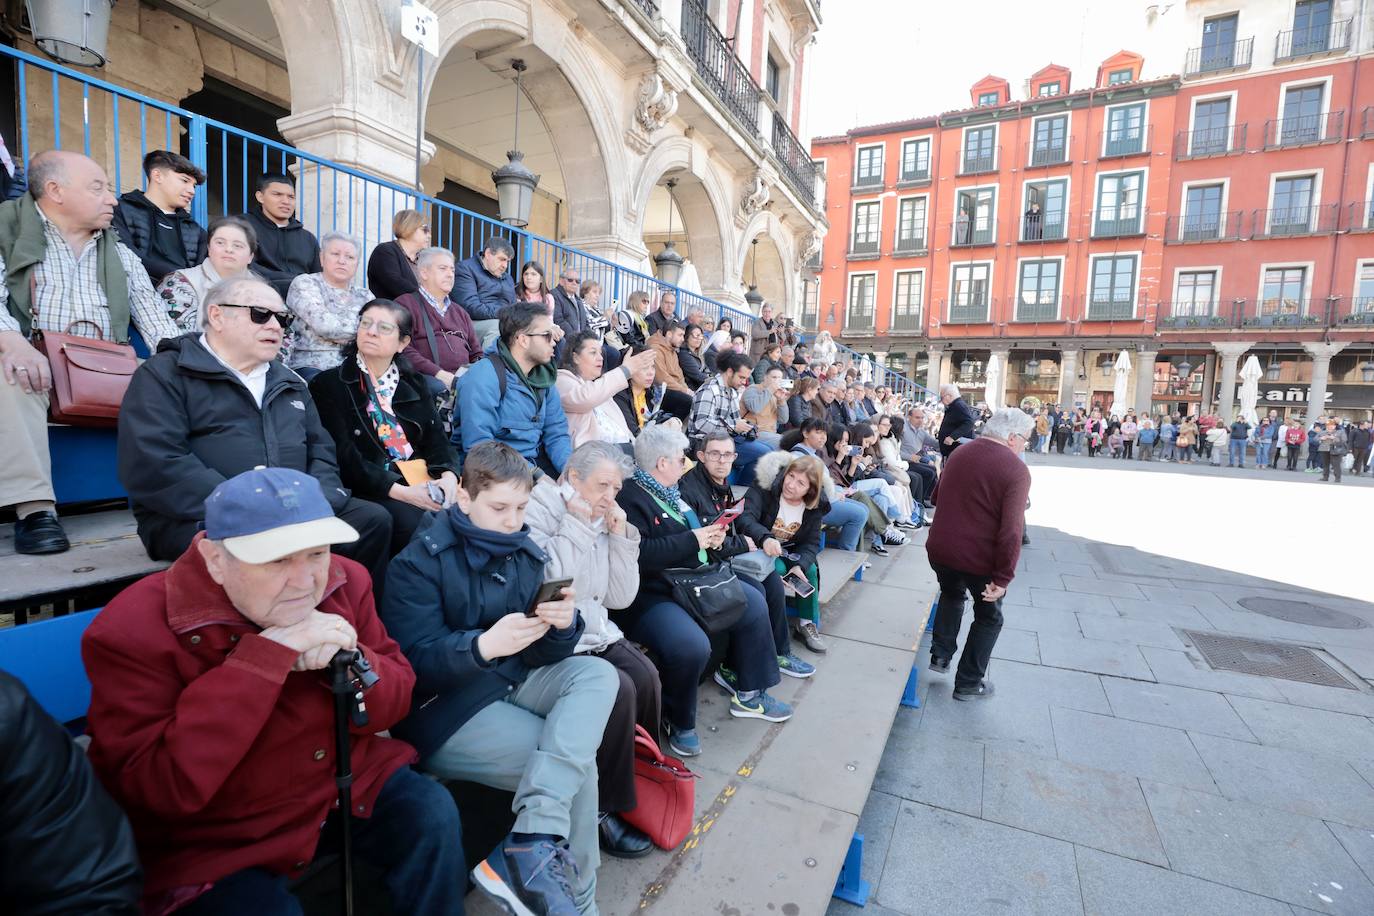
[
  {"x": 690, "y": 520},
  {"x": 429, "y": 329}
]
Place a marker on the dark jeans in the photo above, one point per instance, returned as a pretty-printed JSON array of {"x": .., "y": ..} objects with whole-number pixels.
[
  {"x": 413, "y": 835},
  {"x": 1294, "y": 453},
  {"x": 405, "y": 518},
  {"x": 949, "y": 615},
  {"x": 682, "y": 650},
  {"x": 774, "y": 594},
  {"x": 1127, "y": 445},
  {"x": 929, "y": 476},
  {"x": 373, "y": 546},
  {"x": 1361, "y": 459},
  {"x": 748, "y": 452},
  {"x": 637, "y": 702},
  {"x": 1331, "y": 463}
]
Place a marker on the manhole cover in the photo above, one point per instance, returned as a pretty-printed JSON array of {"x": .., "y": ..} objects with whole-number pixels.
[
  {"x": 1270, "y": 659},
  {"x": 1313, "y": 615}
]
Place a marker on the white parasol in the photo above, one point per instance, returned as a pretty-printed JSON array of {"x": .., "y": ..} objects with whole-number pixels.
[
  {"x": 1123, "y": 375},
  {"x": 1249, "y": 392},
  {"x": 992, "y": 390}
]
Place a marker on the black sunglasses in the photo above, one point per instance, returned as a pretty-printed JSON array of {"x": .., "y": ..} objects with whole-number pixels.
[{"x": 261, "y": 315}]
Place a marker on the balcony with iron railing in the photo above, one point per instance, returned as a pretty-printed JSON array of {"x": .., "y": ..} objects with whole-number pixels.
[
  {"x": 910, "y": 245},
  {"x": 1290, "y": 222},
  {"x": 979, "y": 162},
  {"x": 968, "y": 310},
  {"x": 1285, "y": 312},
  {"x": 1041, "y": 154},
  {"x": 794, "y": 161},
  {"x": 1313, "y": 41},
  {"x": 1206, "y": 142},
  {"x": 722, "y": 72},
  {"x": 1119, "y": 143},
  {"x": 867, "y": 183},
  {"x": 1206, "y": 61},
  {"x": 1360, "y": 216},
  {"x": 973, "y": 233},
  {"x": 1048, "y": 227},
  {"x": 647, "y": 7},
  {"x": 1118, "y": 223},
  {"x": 863, "y": 248},
  {"x": 1109, "y": 307},
  {"x": 810, "y": 319},
  {"x": 1225, "y": 226},
  {"x": 907, "y": 321},
  {"x": 914, "y": 177},
  {"x": 1188, "y": 316},
  {"x": 1036, "y": 308},
  {"x": 858, "y": 324},
  {"x": 1304, "y": 130},
  {"x": 1361, "y": 311}
]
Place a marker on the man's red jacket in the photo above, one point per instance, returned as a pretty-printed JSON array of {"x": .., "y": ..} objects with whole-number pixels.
[{"x": 222, "y": 757}]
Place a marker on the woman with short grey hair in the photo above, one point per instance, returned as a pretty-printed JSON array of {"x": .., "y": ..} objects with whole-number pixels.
[
  {"x": 326, "y": 306},
  {"x": 577, "y": 523}
]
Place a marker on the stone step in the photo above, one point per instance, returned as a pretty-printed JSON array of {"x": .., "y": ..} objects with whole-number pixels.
[{"x": 105, "y": 550}]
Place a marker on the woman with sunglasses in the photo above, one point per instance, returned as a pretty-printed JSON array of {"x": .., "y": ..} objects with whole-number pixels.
[
  {"x": 391, "y": 446},
  {"x": 392, "y": 269}
]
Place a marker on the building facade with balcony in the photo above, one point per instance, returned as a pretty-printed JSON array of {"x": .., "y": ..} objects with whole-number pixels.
[
  {"x": 618, "y": 97},
  {"x": 1190, "y": 220}
]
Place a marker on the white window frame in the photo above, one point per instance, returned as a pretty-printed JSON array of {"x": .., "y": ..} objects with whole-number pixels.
[
  {"x": 1144, "y": 170},
  {"x": 1197, "y": 269},
  {"x": 996, "y": 145},
  {"x": 1323, "y": 81},
  {"x": 1040, "y": 92},
  {"x": 920, "y": 309},
  {"x": 930, "y": 155},
  {"x": 1111, "y": 73},
  {"x": 1139, "y": 256},
  {"x": 1309, "y": 268},
  {"x": 1058, "y": 294},
  {"x": 1068, "y": 138},
  {"x": 1144, "y": 127},
  {"x": 1355, "y": 281},
  {"x": 897, "y": 222},
  {"x": 996, "y": 201},
  {"x": 986, "y": 92},
  {"x": 849, "y": 294},
  {"x": 1233, "y": 96},
  {"x": 955, "y": 265},
  {"x": 1204, "y": 182},
  {"x": 1368, "y": 216},
  {"x": 1274, "y": 177},
  {"x": 854, "y": 222},
  {"x": 882, "y": 164},
  {"x": 1025, "y": 204}
]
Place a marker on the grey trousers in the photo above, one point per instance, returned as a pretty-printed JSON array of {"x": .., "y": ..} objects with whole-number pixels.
[
  {"x": 488, "y": 329},
  {"x": 27, "y": 476},
  {"x": 540, "y": 743}
]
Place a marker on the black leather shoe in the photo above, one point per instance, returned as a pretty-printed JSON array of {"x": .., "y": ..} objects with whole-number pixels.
[
  {"x": 621, "y": 840},
  {"x": 980, "y": 692},
  {"x": 40, "y": 533},
  {"x": 939, "y": 664},
  {"x": 1025, "y": 539}
]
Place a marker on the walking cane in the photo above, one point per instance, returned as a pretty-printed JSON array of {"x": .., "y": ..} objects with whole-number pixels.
[{"x": 350, "y": 676}]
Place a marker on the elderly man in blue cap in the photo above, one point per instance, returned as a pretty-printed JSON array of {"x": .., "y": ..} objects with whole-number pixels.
[{"x": 212, "y": 720}]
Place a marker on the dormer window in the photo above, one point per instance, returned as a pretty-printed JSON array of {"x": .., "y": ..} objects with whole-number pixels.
[
  {"x": 986, "y": 99},
  {"x": 1047, "y": 89},
  {"x": 1117, "y": 77}
]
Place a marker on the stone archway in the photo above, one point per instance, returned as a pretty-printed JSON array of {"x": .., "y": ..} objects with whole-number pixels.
[
  {"x": 776, "y": 254},
  {"x": 701, "y": 204}
]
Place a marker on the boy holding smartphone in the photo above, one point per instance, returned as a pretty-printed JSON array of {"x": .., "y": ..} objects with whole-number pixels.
[{"x": 500, "y": 697}]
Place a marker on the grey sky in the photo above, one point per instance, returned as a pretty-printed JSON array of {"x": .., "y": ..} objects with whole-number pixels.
[{"x": 886, "y": 60}]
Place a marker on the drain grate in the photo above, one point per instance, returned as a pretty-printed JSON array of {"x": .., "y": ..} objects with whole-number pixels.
[
  {"x": 1304, "y": 612},
  {"x": 1270, "y": 659}
]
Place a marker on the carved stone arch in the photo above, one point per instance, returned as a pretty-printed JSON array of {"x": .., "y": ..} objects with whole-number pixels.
[
  {"x": 776, "y": 257},
  {"x": 702, "y": 200}
]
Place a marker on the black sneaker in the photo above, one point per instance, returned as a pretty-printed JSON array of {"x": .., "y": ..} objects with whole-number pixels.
[
  {"x": 879, "y": 549},
  {"x": 40, "y": 533},
  {"x": 938, "y": 664},
  {"x": 529, "y": 878},
  {"x": 980, "y": 692}
]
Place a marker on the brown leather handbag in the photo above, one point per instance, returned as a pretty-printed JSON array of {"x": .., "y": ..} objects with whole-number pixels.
[{"x": 89, "y": 376}]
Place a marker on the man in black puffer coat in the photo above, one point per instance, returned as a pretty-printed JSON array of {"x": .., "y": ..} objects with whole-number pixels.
[
  {"x": 286, "y": 249},
  {"x": 958, "y": 422},
  {"x": 157, "y": 224},
  {"x": 65, "y": 847}
]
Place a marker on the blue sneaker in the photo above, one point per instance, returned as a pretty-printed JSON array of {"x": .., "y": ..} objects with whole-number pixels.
[
  {"x": 727, "y": 679},
  {"x": 684, "y": 742},
  {"x": 760, "y": 706},
  {"x": 529, "y": 878},
  {"x": 792, "y": 666}
]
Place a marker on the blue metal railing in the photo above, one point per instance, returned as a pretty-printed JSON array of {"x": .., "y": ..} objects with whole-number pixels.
[{"x": 330, "y": 196}]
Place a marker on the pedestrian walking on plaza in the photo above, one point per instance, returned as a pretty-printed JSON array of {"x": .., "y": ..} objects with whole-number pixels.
[
  {"x": 1333, "y": 444},
  {"x": 1240, "y": 433},
  {"x": 1168, "y": 432},
  {"x": 1360, "y": 438},
  {"x": 958, "y": 421},
  {"x": 975, "y": 542},
  {"x": 1218, "y": 443},
  {"x": 1187, "y": 438},
  {"x": 1146, "y": 437}
]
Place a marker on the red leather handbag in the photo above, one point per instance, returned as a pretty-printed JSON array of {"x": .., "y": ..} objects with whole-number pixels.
[
  {"x": 666, "y": 793},
  {"x": 89, "y": 376}
]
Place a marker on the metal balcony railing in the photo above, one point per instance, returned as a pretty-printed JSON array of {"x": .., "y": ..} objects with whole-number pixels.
[
  {"x": 974, "y": 310},
  {"x": 1109, "y": 308},
  {"x": 1304, "y": 130},
  {"x": 907, "y": 320},
  {"x": 978, "y": 162},
  {"x": 794, "y": 161},
  {"x": 909, "y": 244},
  {"x": 1225, "y": 226},
  {"x": 1367, "y": 123},
  {"x": 1360, "y": 216},
  {"x": 1050, "y": 227},
  {"x": 1204, "y": 61},
  {"x": 914, "y": 176},
  {"x": 1033, "y": 308},
  {"x": 1127, "y": 141},
  {"x": 1332, "y": 38},
  {"x": 1178, "y": 316},
  {"x": 648, "y": 7},
  {"x": 1119, "y": 223},
  {"x": 810, "y": 320},
  {"x": 864, "y": 247},
  {"x": 858, "y": 322},
  {"x": 971, "y": 233},
  {"x": 1361, "y": 311},
  {"x": 1286, "y": 222},
  {"x": 1285, "y": 312},
  {"x": 1043, "y": 154},
  {"x": 864, "y": 182},
  {"x": 1210, "y": 141},
  {"x": 718, "y": 67}
]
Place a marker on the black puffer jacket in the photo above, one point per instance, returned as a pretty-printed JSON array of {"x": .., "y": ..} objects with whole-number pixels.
[
  {"x": 65, "y": 847},
  {"x": 187, "y": 424},
  {"x": 284, "y": 252},
  {"x": 133, "y": 221},
  {"x": 709, "y": 499},
  {"x": 761, "y": 508},
  {"x": 365, "y": 466}
]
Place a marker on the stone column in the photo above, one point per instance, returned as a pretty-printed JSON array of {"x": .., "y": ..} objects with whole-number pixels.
[
  {"x": 1144, "y": 381},
  {"x": 1068, "y": 375},
  {"x": 1209, "y": 384},
  {"x": 935, "y": 353},
  {"x": 1228, "y": 354},
  {"x": 998, "y": 398},
  {"x": 1321, "y": 369}
]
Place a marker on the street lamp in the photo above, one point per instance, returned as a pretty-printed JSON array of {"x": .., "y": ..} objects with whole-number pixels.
[
  {"x": 753, "y": 297},
  {"x": 668, "y": 261},
  {"x": 71, "y": 31},
  {"x": 1185, "y": 368},
  {"x": 515, "y": 183}
]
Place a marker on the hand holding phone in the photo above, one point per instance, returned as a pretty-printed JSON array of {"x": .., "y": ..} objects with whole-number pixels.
[
  {"x": 729, "y": 514},
  {"x": 552, "y": 590},
  {"x": 798, "y": 583}
]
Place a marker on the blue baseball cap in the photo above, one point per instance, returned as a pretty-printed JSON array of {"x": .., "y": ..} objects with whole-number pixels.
[{"x": 268, "y": 513}]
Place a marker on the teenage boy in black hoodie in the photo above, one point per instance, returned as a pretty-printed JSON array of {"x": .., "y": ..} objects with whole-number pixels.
[
  {"x": 156, "y": 224},
  {"x": 286, "y": 249}
]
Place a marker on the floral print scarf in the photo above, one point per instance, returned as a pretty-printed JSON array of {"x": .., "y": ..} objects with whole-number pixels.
[{"x": 379, "y": 394}]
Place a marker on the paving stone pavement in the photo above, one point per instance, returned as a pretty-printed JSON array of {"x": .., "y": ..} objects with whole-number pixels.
[{"x": 1115, "y": 771}]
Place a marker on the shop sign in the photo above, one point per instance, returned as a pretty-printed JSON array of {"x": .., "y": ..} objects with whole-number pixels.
[{"x": 1356, "y": 396}]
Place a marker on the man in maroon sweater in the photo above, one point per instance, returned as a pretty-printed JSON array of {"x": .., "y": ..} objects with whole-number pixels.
[
  {"x": 974, "y": 544},
  {"x": 443, "y": 341}
]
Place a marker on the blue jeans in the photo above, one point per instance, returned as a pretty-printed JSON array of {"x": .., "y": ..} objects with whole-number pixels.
[
  {"x": 1236, "y": 453},
  {"x": 681, "y": 650},
  {"x": 413, "y": 834},
  {"x": 1263, "y": 447},
  {"x": 877, "y": 491},
  {"x": 849, "y": 517},
  {"x": 1078, "y": 442},
  {"x": 747, "y": 454}
]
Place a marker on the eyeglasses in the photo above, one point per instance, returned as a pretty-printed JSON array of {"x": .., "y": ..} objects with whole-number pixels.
[
  {"x": 261, "y": 315},
  {"x": 572, "y": 280},
  {"x": 382, "y": 327},
  {"x": 719, "y": 456},
  {"x": 547, "y": 335}
]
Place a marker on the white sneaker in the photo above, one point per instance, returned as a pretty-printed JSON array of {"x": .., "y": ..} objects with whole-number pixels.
[{"x": 894, "y": 537}]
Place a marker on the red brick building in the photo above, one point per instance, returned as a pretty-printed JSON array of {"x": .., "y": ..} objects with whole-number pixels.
[{"x": 1188, "y": 220}]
